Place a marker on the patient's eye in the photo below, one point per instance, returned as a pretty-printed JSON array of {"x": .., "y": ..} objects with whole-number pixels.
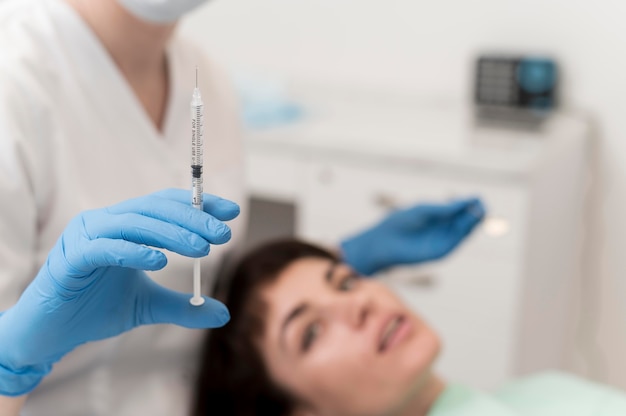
[
  {"x": 348, "y": 282},
  {"x": 310, "y": 334}
]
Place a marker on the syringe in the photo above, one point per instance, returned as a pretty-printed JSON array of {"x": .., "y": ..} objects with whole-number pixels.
[{"x": 197, "y": 142}]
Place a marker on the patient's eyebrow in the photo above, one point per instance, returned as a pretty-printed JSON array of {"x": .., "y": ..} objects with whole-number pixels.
[{"x": 299, "y": 310}]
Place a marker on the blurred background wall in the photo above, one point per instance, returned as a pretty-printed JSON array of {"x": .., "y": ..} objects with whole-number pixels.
[{"x": 427, "y": 49}]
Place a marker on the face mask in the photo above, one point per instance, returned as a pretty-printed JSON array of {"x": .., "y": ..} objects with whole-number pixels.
[{"x": 160, "y": 11}]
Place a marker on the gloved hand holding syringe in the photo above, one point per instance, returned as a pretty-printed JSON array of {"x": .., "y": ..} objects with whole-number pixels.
[
  {"x": 93, "y": 285},
  {"x": 197, "y": 156}
]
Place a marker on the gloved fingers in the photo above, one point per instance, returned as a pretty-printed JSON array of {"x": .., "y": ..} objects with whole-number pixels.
[
  {"x": 152, "y": 232},
  {"x": 160, "y": 305},
  {"x": 446, "y": 210},
  {"x": 105, "y": 252},
  {"x": 220, "y": 208},
  {"x": 168, "y": 211},
  {"x": 476, "y": 208},
  {"x": 109, "y": 252},
  {"x": 464, "y": 223}
]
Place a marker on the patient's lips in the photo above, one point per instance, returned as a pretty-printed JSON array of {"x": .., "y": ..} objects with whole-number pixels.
[{"x": 393, "y": 331}]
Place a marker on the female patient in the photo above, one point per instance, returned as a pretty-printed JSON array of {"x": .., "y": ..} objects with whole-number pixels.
[{"x": 308, "y": 337}]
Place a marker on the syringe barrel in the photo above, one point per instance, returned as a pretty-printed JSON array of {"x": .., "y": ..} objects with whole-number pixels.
[
  {"x": 197, "y": 144},
  {"x": 196, "y": 194}
]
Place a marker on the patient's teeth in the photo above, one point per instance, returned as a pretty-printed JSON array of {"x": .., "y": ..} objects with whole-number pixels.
[{"x": 388, "y": 331}]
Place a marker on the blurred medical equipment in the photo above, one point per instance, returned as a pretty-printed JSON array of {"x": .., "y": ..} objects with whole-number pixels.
[
  {"x": 515, "y": 86},
  {"x": 197, "y": 162},
  {"x": 265, "y": 102},
  {"x": 90, "y": 289}
]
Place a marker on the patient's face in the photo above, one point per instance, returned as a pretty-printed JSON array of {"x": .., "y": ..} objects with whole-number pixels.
[{"x": 345, "y": 345}]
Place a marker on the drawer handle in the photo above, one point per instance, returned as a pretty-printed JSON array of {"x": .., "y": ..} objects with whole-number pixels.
[
  {"x": 386, "y": 201},
  {"x": 326, "y": 176},
  {"x": 424, "y": 281}
]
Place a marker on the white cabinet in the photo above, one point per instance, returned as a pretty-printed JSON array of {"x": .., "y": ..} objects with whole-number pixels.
[{"x": 502, "y": 302}]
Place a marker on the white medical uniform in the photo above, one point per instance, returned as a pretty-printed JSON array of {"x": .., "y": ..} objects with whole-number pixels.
[{"x": 73, "y": 136}]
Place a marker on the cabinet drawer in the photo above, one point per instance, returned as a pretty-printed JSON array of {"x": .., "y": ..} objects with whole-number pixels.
[
  {"x": 342, "y": 199},
  {"x": 483, "y": 292}
]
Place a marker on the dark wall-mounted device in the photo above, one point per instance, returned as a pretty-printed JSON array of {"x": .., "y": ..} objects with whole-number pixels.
[{"x": 515, "y": 83}]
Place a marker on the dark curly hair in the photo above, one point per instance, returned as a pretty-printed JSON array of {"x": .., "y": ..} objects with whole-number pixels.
[{"x": 233, "y": 379}]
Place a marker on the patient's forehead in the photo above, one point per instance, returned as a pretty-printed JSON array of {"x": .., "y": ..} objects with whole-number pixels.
[
  {"x": 298, "y": 277},
  {"x": 301, "y": 281}
]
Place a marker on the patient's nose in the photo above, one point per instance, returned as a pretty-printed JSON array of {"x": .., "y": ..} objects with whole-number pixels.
[{"x": 354, "y": 310}]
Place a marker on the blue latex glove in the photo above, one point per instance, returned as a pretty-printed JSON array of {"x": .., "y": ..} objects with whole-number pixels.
[
  {"x": 414, "y": 235},
  {"x": 93, "y": 286}
]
